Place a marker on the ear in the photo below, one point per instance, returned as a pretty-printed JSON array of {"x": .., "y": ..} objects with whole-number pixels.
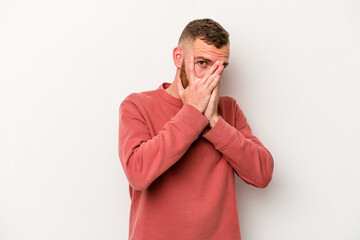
[{"x": 178, "y": 56}]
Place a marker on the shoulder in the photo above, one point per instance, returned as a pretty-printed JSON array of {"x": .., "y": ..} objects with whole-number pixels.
[
  {"x": 228, "y": 103},
  {"x": 135, "y": 105},
  {"x": 226, "y": 100},
  {"x": 139, "y": 98},
  {"x": 229, "y": 109}
]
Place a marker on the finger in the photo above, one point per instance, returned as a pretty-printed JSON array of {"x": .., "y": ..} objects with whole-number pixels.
[
  {"x": 220, "y": 68},
  {"x": 209, "y": 81},
  {"x": 218, "y": 88},
  {"x": 215, "y": 90},
  {"x": 212, "y": 76},
  {"x": 190, "y": 70},
  {"x": 214, "y": 95},
  {"x": 214, "y": 82},
  {"x": 211, "y": 71}
]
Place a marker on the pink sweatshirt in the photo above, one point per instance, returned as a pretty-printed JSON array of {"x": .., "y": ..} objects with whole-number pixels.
[{"x": 181, "y": 171}]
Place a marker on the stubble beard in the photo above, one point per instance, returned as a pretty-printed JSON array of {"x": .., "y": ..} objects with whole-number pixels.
[{"x": 183, "y": 77}]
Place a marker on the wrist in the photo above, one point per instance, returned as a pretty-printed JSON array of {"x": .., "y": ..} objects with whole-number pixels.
[{"x": 213, "y": 120}]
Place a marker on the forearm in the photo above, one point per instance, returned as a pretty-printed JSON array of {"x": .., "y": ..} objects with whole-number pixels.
[
  {"x": 249, "y": 158},
  {"x": 144, "y": 158}
]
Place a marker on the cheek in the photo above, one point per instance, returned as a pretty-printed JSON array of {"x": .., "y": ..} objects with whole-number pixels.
[{"x": 200, "y": 71}]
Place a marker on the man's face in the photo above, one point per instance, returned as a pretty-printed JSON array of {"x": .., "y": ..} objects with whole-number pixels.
[{"x": 204, "y": 57}]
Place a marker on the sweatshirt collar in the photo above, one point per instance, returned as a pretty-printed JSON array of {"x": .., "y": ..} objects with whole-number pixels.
[{"x": 167, "y": 96}]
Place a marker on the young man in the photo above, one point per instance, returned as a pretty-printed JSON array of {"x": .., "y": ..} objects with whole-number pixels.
[{"x": 179, "y": 146}]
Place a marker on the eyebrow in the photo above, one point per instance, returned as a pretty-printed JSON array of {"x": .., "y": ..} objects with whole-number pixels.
[{"x": 208, "y": 60}]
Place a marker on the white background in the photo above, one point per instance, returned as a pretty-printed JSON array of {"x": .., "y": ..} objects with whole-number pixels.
[{"x": 65, "y": 66}]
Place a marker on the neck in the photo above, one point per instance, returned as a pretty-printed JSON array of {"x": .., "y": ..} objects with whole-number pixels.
[{"x": 173, "y": 89}]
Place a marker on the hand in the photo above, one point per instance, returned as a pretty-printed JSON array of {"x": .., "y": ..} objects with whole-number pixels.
[
  {"x": 199, "y": 90},
  {"x": 211, "y": 111}
]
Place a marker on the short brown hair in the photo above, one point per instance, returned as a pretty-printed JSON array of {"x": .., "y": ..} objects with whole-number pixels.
[{"x": 207, "y": 30}]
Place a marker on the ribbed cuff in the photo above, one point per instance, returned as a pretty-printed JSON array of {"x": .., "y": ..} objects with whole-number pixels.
[
  {"x": 220, "y": 134},
  {"x": 192, "y": 117}
]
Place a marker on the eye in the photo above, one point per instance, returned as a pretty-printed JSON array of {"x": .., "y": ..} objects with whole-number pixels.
[{"x": 202, "y": 63}]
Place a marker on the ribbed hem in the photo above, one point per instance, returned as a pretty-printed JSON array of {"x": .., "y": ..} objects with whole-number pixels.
[
  {"x": 192, "y": 117},
  {"x": 167, "y": 96},
  {"x": 220, "y": 134}
]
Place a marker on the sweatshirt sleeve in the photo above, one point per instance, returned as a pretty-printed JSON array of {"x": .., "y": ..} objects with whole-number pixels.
[
  {"x": 251, "y": 161},
  {"x": 144, "y": 158}
]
